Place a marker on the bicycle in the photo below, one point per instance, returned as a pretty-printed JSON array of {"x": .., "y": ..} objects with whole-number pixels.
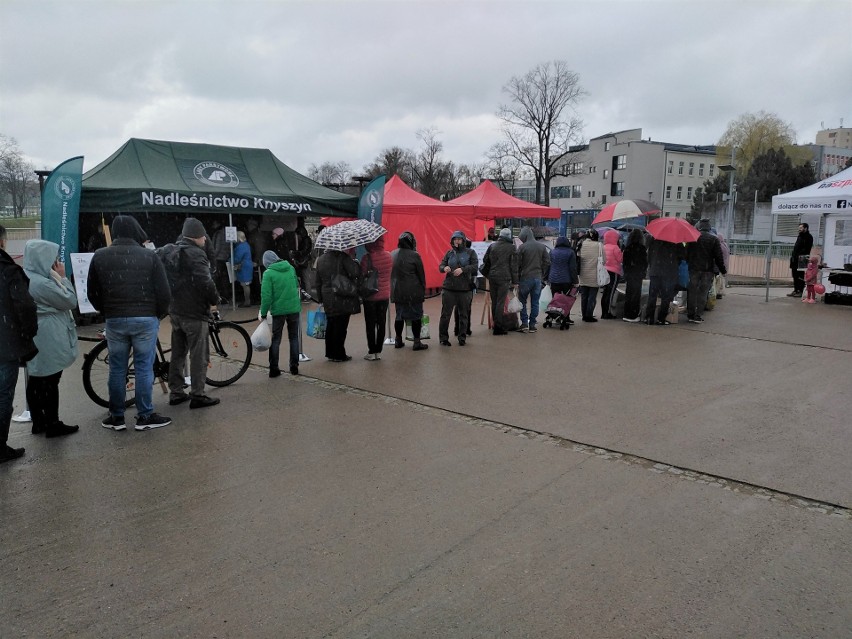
[{"x": 230, "y": 356}]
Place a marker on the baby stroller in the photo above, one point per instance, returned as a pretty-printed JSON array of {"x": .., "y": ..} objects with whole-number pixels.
[{"x": 559, "y": 308}]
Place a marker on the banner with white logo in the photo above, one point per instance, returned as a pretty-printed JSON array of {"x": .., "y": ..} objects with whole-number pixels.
[{"x": 60, "y": 208}]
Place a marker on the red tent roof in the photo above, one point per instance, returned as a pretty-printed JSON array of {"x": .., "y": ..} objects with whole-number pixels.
[
  {"x": 399, "y": 194},
  {"x": 488, "y": 201}
]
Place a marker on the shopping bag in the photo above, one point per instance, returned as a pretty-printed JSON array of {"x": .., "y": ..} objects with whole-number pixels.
[
  {"x": 545, "y": 298},
  {"x": 317, "y": 321},
  {"x": 683, "y": 275},
  {"x": 424, "y": 329},
  {"x": 710, "y": 304},
  {"x": 720, "y": 286},
  {"x": 603, "y": 274},
  {"x": 511, "y": 321},
  {"x": 514, "y": 304},
  {"x": 261, "y": 339}
]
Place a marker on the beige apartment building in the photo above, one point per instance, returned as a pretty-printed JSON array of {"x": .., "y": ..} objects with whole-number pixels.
[{"x": 841, "y": 138}]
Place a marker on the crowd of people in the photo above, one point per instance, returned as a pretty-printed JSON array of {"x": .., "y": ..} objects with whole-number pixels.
[{"x": 134, "y": 288}]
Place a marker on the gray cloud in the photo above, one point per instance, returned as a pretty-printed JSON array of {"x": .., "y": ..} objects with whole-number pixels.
[{"x": 317, "y": 81}]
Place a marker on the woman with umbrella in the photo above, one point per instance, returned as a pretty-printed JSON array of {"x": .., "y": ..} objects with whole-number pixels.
[
  {"x": 665, "y": 252},
  {"x": 408, "y": 281},
  {"x": 337, "y": 280}
]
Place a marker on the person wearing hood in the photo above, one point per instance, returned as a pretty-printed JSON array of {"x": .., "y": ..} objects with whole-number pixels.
[
  {"x": 500, "y": 266},
  {"x": 663, "y": 261},
  {"x": 127, "y": 284},
  {"x": 588, "y": 250},
  {"x": 408, "y": 290},
  {"x": 702, "y": 256},
  {"x": 459, "y": 267},
  {"x": 635, "y": 264},
  {"x": 194, "y": 297},
  {"x": 17, "y": 332},
  {"x": 533, "y": 270},
  {"x": 563, "y": 268},
  {"x": 279, "y": 295},
  {"x": 243, "y": 267},
  {"x": 804, "y": 244},
  {"x": 376, "y": 305},
  {"x": 56, "y": 339},
  {"x": 613, "y": 258}
]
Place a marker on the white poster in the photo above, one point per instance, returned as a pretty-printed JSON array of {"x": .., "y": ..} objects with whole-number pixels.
[
  {"x": 480, "y": 248},
  {"x": 80, "y": 265}
]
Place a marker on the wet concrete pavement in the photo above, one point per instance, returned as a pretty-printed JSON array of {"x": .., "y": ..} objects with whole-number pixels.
[{"x": 613, "y": 480}]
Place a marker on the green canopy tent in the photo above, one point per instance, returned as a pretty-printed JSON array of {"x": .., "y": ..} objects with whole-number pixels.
[{"x": 152, "y": 176}]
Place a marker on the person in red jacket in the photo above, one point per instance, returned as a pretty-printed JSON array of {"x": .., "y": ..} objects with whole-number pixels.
[{"x": 376, "y": 305}]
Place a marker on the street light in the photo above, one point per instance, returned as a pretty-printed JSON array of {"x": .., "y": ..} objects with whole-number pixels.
[{"x": 731, "y": 169}]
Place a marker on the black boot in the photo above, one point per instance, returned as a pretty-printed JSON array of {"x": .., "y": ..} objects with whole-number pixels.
[{"x": 58, "y": 429}]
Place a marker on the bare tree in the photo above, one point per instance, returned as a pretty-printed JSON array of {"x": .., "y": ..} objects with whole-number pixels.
[
  {"x": 17, "y": 178},
  {"x": 503, "y": 168},
  {"x": 392, "y": 161},
  {"x": 538, "y": 123},
  {"x": 433, "y": 174},
  {"x": 336, "y": 173}
]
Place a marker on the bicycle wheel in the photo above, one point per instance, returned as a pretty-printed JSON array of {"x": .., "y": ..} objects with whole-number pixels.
[
  {"x": 96, "y": 377},
  {"x": 230, "y": 353}
]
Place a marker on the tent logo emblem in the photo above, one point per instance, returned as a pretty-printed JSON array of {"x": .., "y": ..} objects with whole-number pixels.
[
  {"x": 65, "y": 188},
  {"x": 215, "y": 174},
  {"x": 374, "y": 198}
]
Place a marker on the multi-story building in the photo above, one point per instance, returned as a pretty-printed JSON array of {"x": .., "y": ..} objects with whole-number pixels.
[
  {"x": 622, "y": 165},
  {"x": 841, "y": 137},
  {"x": 828, "y": 160}
]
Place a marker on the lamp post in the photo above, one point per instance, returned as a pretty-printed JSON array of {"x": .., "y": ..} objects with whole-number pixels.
[{"x": 731, "y": 169}]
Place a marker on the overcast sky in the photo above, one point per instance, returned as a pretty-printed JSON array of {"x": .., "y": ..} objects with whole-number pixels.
[{"x": 340, "y": 81}]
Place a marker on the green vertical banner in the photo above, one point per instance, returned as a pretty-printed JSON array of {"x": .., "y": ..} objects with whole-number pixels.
[
  {"x": 60, "y": 208},
  {"x": 370, "y": 205}
]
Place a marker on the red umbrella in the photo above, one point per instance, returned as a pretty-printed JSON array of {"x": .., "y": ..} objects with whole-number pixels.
[
  {"x": 673, "y": 229},
  {"x": 625, "y": 209}
]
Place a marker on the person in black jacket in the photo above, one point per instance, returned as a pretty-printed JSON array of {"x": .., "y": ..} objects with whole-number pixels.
[
  {"x": 194, "y": 297},
  {"x": 804, "y": 244},
  {"x": 635, "y": 265},
  {"x": 500, "y": 266},
  {"x": 702, "y": 256},
  {"x": 127, "y": 283},
  {"x": 459, "y": 267},
  {"x": 18, "y": 329},
  {"x": 408, "y": 290},
  {"x": 663, "y": 260},
  {"x": 337, "y": 290}
]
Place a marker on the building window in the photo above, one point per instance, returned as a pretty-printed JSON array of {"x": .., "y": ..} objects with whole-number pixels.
[
  {"x": 689, "y": 193},
  {"x": 606, "y": 174},
  {"x": 593, "y": 169},
  {"x": 680, "y": 168},
  {"x": 712, "y": 167},
  {"x": 591, "y": 194},
  {"x": 617, "y": 189},
  {"x": 668, "y": 192},
  {"x": 620, "y": 162},
  {"x": 701, "y": 169},
  {"x": 607, "y": 146},
  {"x": 576, "y": 191},
  {"x": 692, "y": 168},
  {"x": 680, "y": 192},
  {"x": 671, "y": 166}
]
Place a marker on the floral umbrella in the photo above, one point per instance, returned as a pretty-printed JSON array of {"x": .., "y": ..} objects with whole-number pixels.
[
  {"x": 625, "y": 209},
  {"x": 349, "y": 234},
  {"x": 673, "y": 229}
]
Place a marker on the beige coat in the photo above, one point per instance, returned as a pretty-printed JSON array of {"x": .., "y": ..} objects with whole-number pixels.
[{"x": 587, "y": 260}]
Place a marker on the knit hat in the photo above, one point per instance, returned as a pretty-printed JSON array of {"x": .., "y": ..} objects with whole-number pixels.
[
  {"x": 506, "y": 234},
  {"x": 193, "y": 228},
  {"x": 277, "y": 232},
  {"x": 269, "y": 258}
]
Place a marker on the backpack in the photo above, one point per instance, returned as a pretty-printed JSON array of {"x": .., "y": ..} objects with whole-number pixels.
[{"x": 170, "y": 255}]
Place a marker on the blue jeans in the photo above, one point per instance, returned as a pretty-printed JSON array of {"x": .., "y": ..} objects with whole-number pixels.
[
  {"x": 8, "y": 380},
  {"x": 588, "y": 301},
  {"x": 140, "y": 334},
  {"x": 291, "y": 321},
  {"x": 529, "y": 288}
]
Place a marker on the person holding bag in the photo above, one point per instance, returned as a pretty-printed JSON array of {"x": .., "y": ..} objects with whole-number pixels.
[
  {"x": 337, "y": 290},
  {"x": 635, "y": 266},
  {"x": 500, "y": 266},
  {"x": 588, "y": 252},
  {"x": 459, "y": 267},
  {"x": 613, "y": 259},
  {"x": 279, "y": 295},
  {"x": 378, "y": 260}
]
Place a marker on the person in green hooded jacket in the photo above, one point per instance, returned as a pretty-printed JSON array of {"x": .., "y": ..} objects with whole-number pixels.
[{"x": 279, "y": 294}]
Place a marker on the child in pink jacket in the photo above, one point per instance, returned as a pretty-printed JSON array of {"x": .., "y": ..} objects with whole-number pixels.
[{"x": 811, "y": 279}]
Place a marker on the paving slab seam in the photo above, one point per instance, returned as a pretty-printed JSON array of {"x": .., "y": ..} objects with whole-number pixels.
[
  {"x": 771, "y": 341},
  {"x": 739, "y": 487}
]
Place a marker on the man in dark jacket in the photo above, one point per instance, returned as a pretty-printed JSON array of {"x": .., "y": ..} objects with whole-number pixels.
[
  {"x": 533, "y": 270},
  {"x": 17, "y": 330},
  {"x": 127, "y": 283},
  {"x": 663, "y": 261},
  {"x": 459, "y": 267},
  {"x": 804, "y": 244},
  {"x": 702, "y": 256},
  {"x": 500, "y": 266},
  {"x": 194, "y": 296}
]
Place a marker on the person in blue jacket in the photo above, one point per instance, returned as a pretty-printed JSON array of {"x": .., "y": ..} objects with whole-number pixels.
[{"x": 243, "y": 267}]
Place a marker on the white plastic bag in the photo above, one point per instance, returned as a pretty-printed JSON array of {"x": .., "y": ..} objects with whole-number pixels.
[
  {"x": 261, "y": 339},
  {"x": 514, "y": 305},
  {"x": 545, "y": 298}
]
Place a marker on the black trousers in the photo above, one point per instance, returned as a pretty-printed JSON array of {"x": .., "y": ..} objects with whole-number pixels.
[
  {"x": 375, "y": 314},
  {"x": 499, "y": 291},
  {"x": 458, "y": 302},
  {"x": 335, "y": 336},
  {"x": 664, "y": 287},
  {"x": 43, "y": 399},
  {"x": 798, "y": 279}
]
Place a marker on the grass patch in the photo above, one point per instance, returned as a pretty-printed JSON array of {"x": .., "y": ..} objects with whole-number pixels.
[{"x": 20, "y": 222}]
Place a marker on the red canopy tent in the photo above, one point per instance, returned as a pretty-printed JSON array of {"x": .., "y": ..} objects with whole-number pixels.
[
  {"x": 489, "y": 202},
  {"x": 431, "y": 221}
]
